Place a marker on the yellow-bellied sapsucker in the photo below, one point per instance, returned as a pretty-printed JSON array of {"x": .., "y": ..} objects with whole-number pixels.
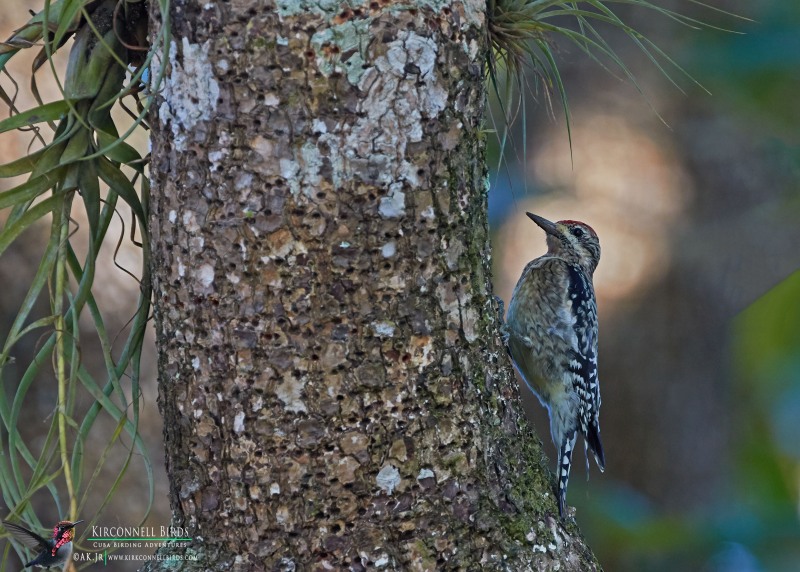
[{"x": 551, "y": 333}]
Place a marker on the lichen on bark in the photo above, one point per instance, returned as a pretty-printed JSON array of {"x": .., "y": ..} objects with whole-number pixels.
[{"x": 334, "y": 389}]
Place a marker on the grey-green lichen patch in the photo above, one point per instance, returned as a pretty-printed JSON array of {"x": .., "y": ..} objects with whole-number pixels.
[
  {"x": 425, "y": 474},
  {"x": 190, "y": 90},
  {"x": 355, "y": 68},
  {"x": 340, "y": 48},
  {"x": 402, "y": 89},
  {"x": 312, "y": 163},
  {"x": 389, "y": 249},
  {"x": 388, "y": 479},
  {"x": 309, "y": 164},
  {"x": 414, "y": 55},
  {"x": 288, "y": 8},
  {"x": 394, "y": 205},
  {"x": 384, "y": 329}
]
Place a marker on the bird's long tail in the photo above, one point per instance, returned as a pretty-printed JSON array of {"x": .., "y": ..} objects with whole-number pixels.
[
  {"x": 595, "y": 446},
  {"x": 564, "y": 465}
]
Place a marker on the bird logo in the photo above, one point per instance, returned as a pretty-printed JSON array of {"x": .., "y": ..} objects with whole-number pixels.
[{"x": 50, "y": 552}]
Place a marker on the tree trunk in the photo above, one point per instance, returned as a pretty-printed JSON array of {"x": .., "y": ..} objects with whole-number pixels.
[{"x": 333, "y": 386}]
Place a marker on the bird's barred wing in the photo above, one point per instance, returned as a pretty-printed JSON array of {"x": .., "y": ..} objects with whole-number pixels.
[
  {"x": 583, "y": 362},
  {"x": 584, "y": 313}
]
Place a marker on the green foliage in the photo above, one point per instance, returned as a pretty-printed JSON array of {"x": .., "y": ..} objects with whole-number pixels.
[
  {"x": 767, "y": 341},
  {"x": 77, "y": 153},
  {"x": 521, "y": 36},
  {"x": 756, "y": 71}
]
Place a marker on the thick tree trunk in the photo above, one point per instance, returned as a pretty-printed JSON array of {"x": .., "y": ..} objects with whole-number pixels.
[{"x": 334, "y": 391}]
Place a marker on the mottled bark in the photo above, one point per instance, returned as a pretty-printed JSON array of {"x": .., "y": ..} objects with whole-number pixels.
[{"x": 334, "y": 390}]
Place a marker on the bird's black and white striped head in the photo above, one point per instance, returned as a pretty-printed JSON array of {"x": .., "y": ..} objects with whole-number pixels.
[{"x": 571, "y": 240}]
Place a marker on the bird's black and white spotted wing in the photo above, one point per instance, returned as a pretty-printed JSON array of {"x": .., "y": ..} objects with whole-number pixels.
[{"x": 583, "y": 362}]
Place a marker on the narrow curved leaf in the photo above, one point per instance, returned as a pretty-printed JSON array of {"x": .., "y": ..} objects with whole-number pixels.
[
  {"x": 47, "y": 112},
  {"x": 115, "y": 148},
  {"x": 30, "y": 189},
  {"x": 12, "y": 231},
  {"x": 117, "y": 180},
  {"x": 76, "y": 148},
  {"x": 21, "y": 166},
  {"x": 67, "y": 18}
]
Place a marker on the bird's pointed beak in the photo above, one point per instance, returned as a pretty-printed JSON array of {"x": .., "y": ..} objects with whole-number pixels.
[
  {"x": 544, "y": 224},
  {"x": 74, "y": 523}
]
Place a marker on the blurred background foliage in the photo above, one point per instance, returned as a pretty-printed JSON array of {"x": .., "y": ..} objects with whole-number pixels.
[{"x": 698, "y": 285}]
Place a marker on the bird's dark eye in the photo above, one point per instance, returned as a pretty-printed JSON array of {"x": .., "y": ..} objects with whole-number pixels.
[{"x": 577, "y": 232}]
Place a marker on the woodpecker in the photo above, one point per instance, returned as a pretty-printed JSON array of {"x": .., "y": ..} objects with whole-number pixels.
[
  {"x": 551, "y": 334},
  {"x": 51, "y": 552}
]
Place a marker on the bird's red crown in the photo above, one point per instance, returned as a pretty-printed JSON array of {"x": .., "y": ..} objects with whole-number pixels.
[{"x": 578, "y": 223}]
